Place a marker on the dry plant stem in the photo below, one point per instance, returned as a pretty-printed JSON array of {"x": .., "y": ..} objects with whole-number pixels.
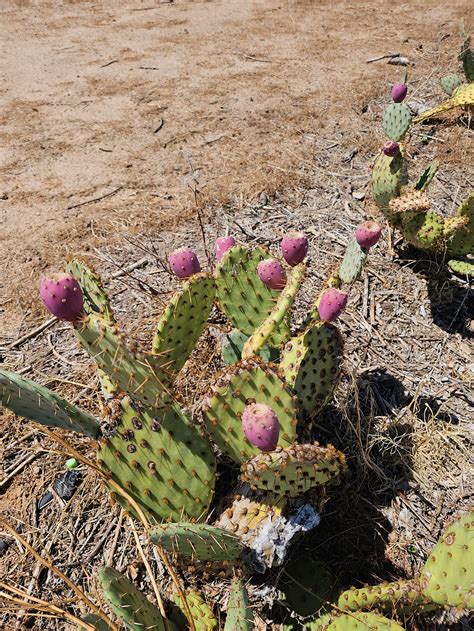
[
  {"x": 148, "y": 568},
  {"x": 41, "y": 605},
  {"x": 47, "y": 563}
]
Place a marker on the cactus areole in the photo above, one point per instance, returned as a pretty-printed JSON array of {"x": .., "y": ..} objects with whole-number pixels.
[
  {"x": 62, "y": 296},
  {"x": 294, "y": 247},
  {"x": 399, "y": 92},
  {"x": 272, "y": 274},
  {"x": 391, "y": 149},
  {"x": 261, "y": 426},
  {"x": 184, "y": 263},
  {"x": 332, "y": 304},
  {"x": 222, "y": 245},
  {"x": 368, "y": 234}
]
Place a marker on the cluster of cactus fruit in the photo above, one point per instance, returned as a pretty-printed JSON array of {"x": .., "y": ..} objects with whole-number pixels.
[{"x": 408, "y": 208}]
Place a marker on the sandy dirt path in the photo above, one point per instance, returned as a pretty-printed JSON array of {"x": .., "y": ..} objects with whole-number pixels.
[{"x": 129, "y": 99}]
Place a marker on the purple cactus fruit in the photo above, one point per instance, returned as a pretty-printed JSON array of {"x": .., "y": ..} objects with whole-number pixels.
[
  {"x": 399, "y": 92},
  {"x": 332, "y": 304},
  {"x": 261, "y": 427},
  {"x": 184, "y": 263},
  {"x": 272, "y": 274},
  {"x": 294, "y": 247},
  {"x": 222, "y": 245},
  {"x": 368, "y": 233},
  {"x": 62, "y": 296},
  {"x": 391, "y": 148}
]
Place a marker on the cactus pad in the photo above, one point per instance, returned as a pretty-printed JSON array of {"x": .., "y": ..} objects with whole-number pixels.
[
  {"x": 31, "y": 400},
  {"x": 198, "y": 541},
  {"x": 129, "y": 604},
  {"x": 293, "y": 470},
  {"x": 401, "y": 596},
  {"x": 181, "y": 325},
  {"x": 363, "y": 622},
  {"x": 426, "y": 177},
  {"x": 352, "y": 263},
  {"x": 419, "y": 225},
  {"x": 311, "y": 363},
  {"x": 462, "y": 243},
  {"x": 240, "y": 385},
  {"x": 239, "y": 612},
  {"x": 396, "y": 120},
  {"x": 448, "y": 575},
  {"x": 450, "y": 83},
  {"x": 462, "y": 97},
  {"x": 95, "y": 297},
  {"x": 159, "y": 459},
  {"x": 388, "y": 175},
  {"x": 461, "y": 267},
  {"x": 204, "y": 619},
  {"x": 242, "y": 296}
]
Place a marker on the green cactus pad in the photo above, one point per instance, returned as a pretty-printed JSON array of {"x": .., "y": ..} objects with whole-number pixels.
[
  {"x": 160, "y": 459},
  {"x": 293, "y": 470},
  {"x": 244, "y": 383},
  {"x": 181, "y": 325},
  {"x": 96, "y": 621},
  {"x": 319, "y": 624},
  {"x": 462, "y": 97},
  {"x": 272, "y": 324},
  {"x": 466, "y": 55},
  {"x": 396, "y": 120},
  {"x": 363, "y": 622},
  {"x": 311, "y": 364},
  {"x": 352, "y": 263},
  {"x": 202, "y": 615},
  {"x": 450, "y": 83},
  {"x": 308, "y": 585},
  {"x": 388, "y": 175},
  {"x": 129, "y": 369},
  {"x": 31, "y": 400},
  {"x": 239, "y": 612},
  {"x": 462, "y": 243},
  {"x": 198, "y": 541},
  {"x": 461, "y": 267},
  {"x": 234, "y": 343},
  {"x": 242, "y": 296},
  {"x": 448, "y": 575},
  {"x": 426, "y": 177},
  {"x": 424, "y": 230},
  {"x": 401, "y": 596},
  {"x": 129, "y": 604},
  {"x": 95, "y": 297}
]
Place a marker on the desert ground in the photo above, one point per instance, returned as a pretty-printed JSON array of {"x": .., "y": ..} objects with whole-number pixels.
[{"x": 119, "y": 121}]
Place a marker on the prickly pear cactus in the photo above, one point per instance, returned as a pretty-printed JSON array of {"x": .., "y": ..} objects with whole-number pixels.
[
  {"x": 200, "y": 542},
  {"x": 242, "y": 296},
  {"x": 233, "y": 346},
  {"x": 362, "y": 622},
  {"x": 401, "y": 596},
  {"x": 466, "y": 55},
  {"x": 293, "y": 470},
  {"x": 308, "y": 585},
  {"x": 95, "y": 297},
  {"x": 30, "y": 400},
  {"x": 129, "y": 604},
  {"x": 311, "y": 364},
  {"x": 242, "y": 384},
  {"x": 352, "y": 263},
  {"x": 388, "y": 175},
  {"x": 448, "y": 575},
  {"x": 159, "y": 458},
  {"x": 418, "y": 224},
  {"x": 462, "y": 241},
  {"x": 239, "y": 612},
  {"x": 396, "y": 120},
  {"x": 462, "y": 97},
  {"x": 450, "y": 83},
  {"x": 426, "y": 177},
  {"x": 461, "y": 267},
  {"x": 202, "y": 615}
]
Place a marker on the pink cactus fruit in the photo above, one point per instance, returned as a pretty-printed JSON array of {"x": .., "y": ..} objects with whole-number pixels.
[
  {"x": 272, "y": 274},
  {"x": 332, "y": 304},
  {"x": 368, "y": 233},
  {"x": 62, "y": 296},
  {"x": 294, "y": 247},
  {"x": 222, "y": 245},
  {"x": 399, "y": 92},
  {"x": 391, "y": 148},
  {"x": 261, "y": 427},
  {"x": 184, "y": 263}
]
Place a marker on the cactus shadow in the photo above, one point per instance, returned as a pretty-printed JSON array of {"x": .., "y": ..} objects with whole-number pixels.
[{"x": 451, "y": 304}]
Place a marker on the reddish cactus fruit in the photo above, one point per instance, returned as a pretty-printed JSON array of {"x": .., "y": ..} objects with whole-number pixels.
[
  {"x": 222, "y": 245},
  {"x": 391, "y": 148},
  {"x": 272, "y": 274},
  {"x": 399, "y": 92},
  {"x": 368, "y": 233},
  {"x": 332, "y": 304},
  {"x": 294, "y": 247},
  {"x": 184, "y": 263},
  {"x": 62, "y": 296},
  {"x": 261, "y": 427}
]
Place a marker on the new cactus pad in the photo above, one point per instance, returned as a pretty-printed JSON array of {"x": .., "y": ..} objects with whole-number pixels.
[
  {"x": 204, "y": 619},
  {"x": 396, "y": 121},
  {"x": 95, "y": 297},
  {"x": 239, "y": 612}
]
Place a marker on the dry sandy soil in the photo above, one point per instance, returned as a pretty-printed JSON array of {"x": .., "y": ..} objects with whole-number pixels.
[{"x": 112, "y": 113}]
